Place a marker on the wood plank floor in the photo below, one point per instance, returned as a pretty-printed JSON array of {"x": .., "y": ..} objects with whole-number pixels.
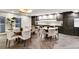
[
  {"x": 64, "y": 42},
  {"x": 36, "y": 43}
]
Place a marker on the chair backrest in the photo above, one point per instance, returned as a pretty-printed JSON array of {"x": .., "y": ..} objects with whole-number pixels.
[
  {"x": 26, "y": 34},
  {"x": 9, "y": 35},
  {"x": 53, "y": 31},
  {"x": 42, "y": 32},
  {"x": 16, "y": 29},
  {"x": 36, "y": 31}
]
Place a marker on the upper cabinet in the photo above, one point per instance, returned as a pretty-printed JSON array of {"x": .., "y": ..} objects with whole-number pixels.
[
  {"x": 52, "y": 20},
  {"x": 45, "y": 17}
]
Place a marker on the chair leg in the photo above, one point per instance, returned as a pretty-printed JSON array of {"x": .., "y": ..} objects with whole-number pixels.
[
  {"x": 57, "y": 37},
  {"x": 30, "y": 40},
  {"x": 14, "y": 42},
  {"x": 50, "y": 38},
  {"x": 24, "y": 43},
  {"x": 6, "y": 42},
  {"x": 9, "y": 44}
]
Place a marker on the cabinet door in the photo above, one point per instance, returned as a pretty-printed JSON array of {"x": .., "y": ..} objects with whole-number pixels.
[{"x": 68, "y": 24}]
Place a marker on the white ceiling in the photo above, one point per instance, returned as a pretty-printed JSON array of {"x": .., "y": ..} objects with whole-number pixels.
[
  {"x": 36, "y": 11},
  {"x": 48, "y": 11}
]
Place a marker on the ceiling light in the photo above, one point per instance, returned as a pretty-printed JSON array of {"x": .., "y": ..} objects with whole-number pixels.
[
  {"x": 25, "y": 10},
  {"x": 40, "y": 17},
  {"x": 76, "y": 11},
  {"x": 29, "y": 11}
]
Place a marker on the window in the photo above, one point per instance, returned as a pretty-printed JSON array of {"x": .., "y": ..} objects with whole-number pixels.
[
  {"x": 18, "y": 22},
  {"x": 76, "y": 22},
  {"x": 2, "y": 24}
]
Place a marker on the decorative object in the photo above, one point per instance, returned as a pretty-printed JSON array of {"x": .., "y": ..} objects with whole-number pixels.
[{"x": 11, "y": 22}]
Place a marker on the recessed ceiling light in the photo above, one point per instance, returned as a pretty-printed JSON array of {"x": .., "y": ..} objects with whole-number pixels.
[
  {"x": 40, "y": 17},
  {"x": 29, "y": 11},
  {"x": 76, "y": 11}
]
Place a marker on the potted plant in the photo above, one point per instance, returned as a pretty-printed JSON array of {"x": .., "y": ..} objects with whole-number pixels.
[{"x": 11, "y": 22}]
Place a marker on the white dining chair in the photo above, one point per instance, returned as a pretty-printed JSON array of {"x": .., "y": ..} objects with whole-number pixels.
[
  {"x": 42, "y": 33},
  {"x": 10, "y": 37},
  {"x": 53, "y": 32},
  {"x": 16, "y": 29},
  {"x": 57, "y": 34},
  {"x": 25, "y": 36}
]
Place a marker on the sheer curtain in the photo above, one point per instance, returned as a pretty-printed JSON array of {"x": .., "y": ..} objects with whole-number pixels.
[
  {"x": 18, "y": 22},
  {"x": 2, "y": 24}
]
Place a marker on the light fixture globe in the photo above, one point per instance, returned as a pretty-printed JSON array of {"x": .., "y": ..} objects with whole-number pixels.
[
  {"x": 76, "y": 11},
  {"x": 25, "y": 11}
]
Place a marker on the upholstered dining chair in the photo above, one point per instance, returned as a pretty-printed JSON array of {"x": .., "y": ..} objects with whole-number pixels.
[
  {"x": 42, "y": 33},
  {"x": 53, "y": 32},
  {"x": 57, "y": 34},
  {"x": 10, "y": 37},
  {"x": 25, "y": 36}
]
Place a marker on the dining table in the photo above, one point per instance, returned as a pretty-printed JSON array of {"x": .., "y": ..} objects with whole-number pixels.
[{"x": 18, "y": 33}]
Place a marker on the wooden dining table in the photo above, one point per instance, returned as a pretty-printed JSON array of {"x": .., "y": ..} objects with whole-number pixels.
[
  {"x": 18, "y": 40},
  {"x": 18, "y": 33}
]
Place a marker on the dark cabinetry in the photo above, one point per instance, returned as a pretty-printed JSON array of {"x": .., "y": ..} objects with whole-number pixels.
[
  {"x": 68, "y": 24},
  {"x": 34, "y": 19}
]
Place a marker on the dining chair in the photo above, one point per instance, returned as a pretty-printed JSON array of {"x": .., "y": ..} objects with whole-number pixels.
[
  {"x": 42, "y": 33},
  {"x": 16, "y": 29},
  {"x": 33, "y": 30},
  {"x": 25, "y": 36},
  {"x": 53, "y": 32},
  {"x": 57, "y": 34},
  {"x": 10, "y": 37}
]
